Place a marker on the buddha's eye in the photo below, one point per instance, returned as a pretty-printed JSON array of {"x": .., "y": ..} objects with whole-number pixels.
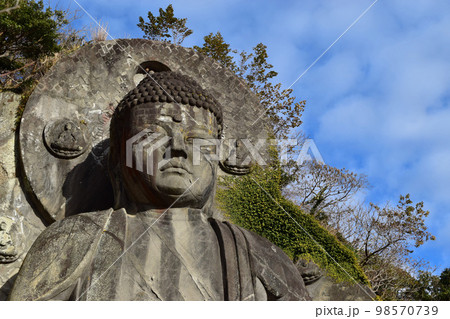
[{"x": 155, "y": 133}]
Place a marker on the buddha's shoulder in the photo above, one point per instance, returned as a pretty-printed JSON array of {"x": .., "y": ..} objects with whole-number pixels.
[
  {"x": 85, "y": 222},
  {"x": 60, "y": 254},
  {"x": 77, "y": 230}
]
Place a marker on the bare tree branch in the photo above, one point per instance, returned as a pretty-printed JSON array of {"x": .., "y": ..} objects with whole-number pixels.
[{"x": 8, "y": 10}]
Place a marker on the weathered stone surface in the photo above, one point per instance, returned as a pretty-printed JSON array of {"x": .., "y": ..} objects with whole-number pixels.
[
  {"x": 22, "y": 224},
  {"x": 327, "y": 289},
  {"x": 92, "y": 257},
  {"x": 322, "y": 287},
  {"x": 310, "y": 271},
  {"x": 9, "y": 103}
]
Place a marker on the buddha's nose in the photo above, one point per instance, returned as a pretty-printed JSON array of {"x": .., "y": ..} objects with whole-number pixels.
[{"x": 178, "y": 145}]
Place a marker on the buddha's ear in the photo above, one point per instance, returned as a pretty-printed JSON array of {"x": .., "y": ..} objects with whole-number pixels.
[{"x": 234, "y": 157}]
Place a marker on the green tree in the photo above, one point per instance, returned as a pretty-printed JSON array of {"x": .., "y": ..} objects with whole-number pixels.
[
  {"x": 429, "y": 287},
  {"x": 165, "y": 27},
  {"x": 444, "y": 286},
  {"x": 28, "y": 34},
  {"x": 283, "y": 112},
  {"x": 425, "y": 287},
  {"x": 216, "y": 48}
]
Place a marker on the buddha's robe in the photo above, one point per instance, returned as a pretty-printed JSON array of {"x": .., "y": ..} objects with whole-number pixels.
[{"x": 110, "y": 255}]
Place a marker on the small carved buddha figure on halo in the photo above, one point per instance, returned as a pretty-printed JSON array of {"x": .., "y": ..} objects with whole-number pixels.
[
  {"x": 7, "y": 249},
  {"x": 160, "y": 241}
]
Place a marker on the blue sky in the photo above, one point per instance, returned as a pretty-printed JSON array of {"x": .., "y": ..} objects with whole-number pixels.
[{"x": 377, "y": 101}]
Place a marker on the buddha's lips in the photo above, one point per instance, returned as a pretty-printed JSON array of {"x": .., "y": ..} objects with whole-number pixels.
[{"x": 175, "y": 164}]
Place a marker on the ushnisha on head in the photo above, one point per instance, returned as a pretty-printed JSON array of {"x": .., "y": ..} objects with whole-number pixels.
[
  {"x": 160, "y": 121},
  {"x": 169, "y": 87}
]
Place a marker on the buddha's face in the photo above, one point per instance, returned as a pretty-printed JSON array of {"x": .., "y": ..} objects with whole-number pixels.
[{"x": 171, "y": 172}]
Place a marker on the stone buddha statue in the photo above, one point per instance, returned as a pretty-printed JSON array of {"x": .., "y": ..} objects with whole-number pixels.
[{"x": 160, "y": 240}]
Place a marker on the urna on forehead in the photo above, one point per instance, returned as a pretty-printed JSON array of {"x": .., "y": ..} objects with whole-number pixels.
[{"x": 172, "y": 88}]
